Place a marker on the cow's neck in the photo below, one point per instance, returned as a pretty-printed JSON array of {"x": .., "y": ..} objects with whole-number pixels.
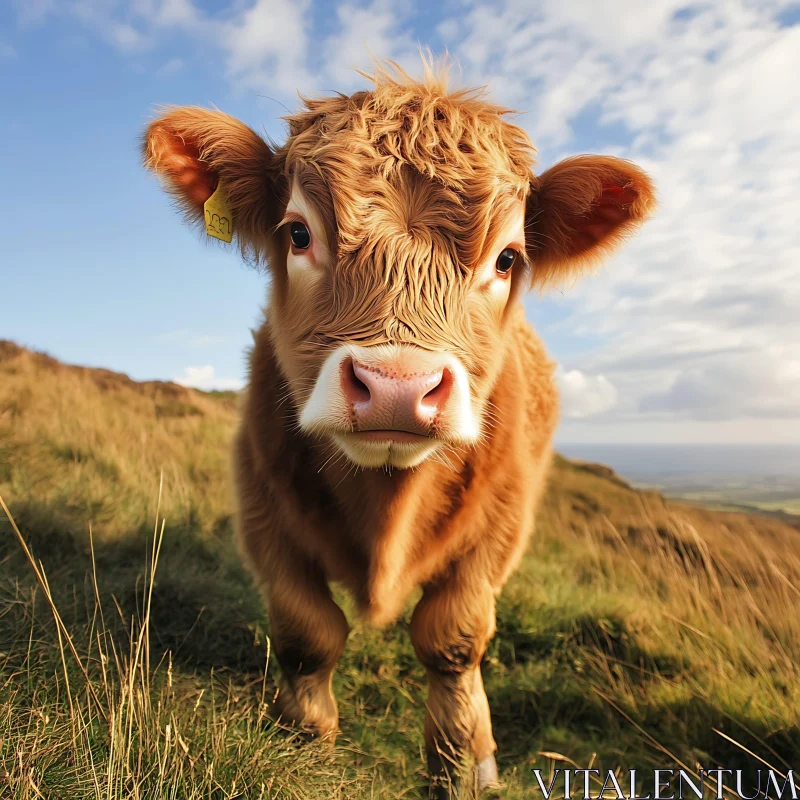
[{"x": 385, "y": 514}]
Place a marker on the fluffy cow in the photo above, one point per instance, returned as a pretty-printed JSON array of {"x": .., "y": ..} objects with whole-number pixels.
[{"x": 396, "y": 432}]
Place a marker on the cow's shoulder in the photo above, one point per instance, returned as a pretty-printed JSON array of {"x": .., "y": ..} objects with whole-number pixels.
[{"x": 280, "y": 489}]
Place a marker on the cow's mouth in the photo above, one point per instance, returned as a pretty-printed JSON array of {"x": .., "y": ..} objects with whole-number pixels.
[
  {"x": 386, "y": 447},
  {"x": 389, "y": 435}
]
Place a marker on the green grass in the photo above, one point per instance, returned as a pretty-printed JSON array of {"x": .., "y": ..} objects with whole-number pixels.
[
  {"x": 638, "y": 631},
  {"x": 728, "y": 501}
]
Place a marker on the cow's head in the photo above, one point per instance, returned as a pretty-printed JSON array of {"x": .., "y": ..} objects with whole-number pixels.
[{"x": 400, "y": 226}]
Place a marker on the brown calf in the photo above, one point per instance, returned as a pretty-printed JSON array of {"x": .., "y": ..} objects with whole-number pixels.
[{"x": 397, "y": 427}]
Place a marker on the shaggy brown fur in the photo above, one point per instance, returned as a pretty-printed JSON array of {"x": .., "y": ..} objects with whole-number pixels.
[{"x": 412, "y": 184}]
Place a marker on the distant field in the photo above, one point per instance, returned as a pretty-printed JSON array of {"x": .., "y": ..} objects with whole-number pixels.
[
  {"x": 727, "y": 476},
  {"x": 742, "y": 501},
  {"x": 638, "y": 632}
]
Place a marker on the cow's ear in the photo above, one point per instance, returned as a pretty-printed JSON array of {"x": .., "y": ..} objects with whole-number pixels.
[
  {"x": 193, "y": 150},
  {"x": 580, "y": 210}
]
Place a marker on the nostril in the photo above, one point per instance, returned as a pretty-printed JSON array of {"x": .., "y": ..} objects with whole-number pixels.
[
  {"x": 354, "y": 388},
  {"x": 437, "y": 396}
]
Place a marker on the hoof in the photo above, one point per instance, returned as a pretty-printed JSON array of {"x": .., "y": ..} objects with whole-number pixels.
[
  {"x": 443, "y": 789},
  {"x": 445, "y": 786},
  {"x": 488, "y": 778},
  {"x": 444, "y": 779},
  {"x": 289, "y": 714}
]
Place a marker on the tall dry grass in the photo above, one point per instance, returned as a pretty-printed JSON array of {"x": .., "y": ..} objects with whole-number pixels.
[
  {"x": 92, "y": 443},
  {"x": 119, "y": 723}
]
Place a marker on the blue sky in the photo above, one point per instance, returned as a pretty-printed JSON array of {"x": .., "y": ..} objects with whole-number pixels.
[{"x": 690, "y": 334}]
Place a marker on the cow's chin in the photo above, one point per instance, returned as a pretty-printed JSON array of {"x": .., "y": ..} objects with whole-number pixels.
[{"x": 377, "y": 450}]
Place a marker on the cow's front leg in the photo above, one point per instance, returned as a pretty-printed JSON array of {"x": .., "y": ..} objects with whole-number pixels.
[
  {"x": 450, "y": 628},
  {"x": 309, "y": 632}
]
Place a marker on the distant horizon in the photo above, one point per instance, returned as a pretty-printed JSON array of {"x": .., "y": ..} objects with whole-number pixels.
[{"x": 748, "y": 471}]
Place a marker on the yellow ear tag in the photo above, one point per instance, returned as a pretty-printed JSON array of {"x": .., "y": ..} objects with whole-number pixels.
[{"x": 219, "y": 220}]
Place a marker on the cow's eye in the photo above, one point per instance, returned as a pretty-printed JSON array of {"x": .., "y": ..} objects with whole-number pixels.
[
  {"x": 301, "y": 235},
  {"x": 505, "y": 261}
]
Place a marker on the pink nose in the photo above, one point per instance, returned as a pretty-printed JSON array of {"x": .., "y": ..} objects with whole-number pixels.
[{"x": 383, "y": 399}]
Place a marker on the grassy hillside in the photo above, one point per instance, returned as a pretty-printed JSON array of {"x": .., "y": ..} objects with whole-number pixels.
[{"x": 638, "y": 632}]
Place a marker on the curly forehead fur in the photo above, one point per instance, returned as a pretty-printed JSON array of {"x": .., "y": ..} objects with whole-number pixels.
[
  {"x": 408, "y": 158},
  {"x": 412, "y": 184}
]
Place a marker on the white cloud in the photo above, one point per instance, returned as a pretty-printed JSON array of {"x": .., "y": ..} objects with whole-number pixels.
[
  {"x": 165, "y": 13},
  {"x": 109, "y": 22},
  {"x": 32, "y": 12},
  {"x": 171, "y": 67},
  {"x": 266, "y": 45},
  {"x": 205, "y": 378},
  {"x": 741, "y": 385},
  {"x": 125, "y": 36},
  {"x": 585, "y": 395},
  {"x": 365, "y": 33}
]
